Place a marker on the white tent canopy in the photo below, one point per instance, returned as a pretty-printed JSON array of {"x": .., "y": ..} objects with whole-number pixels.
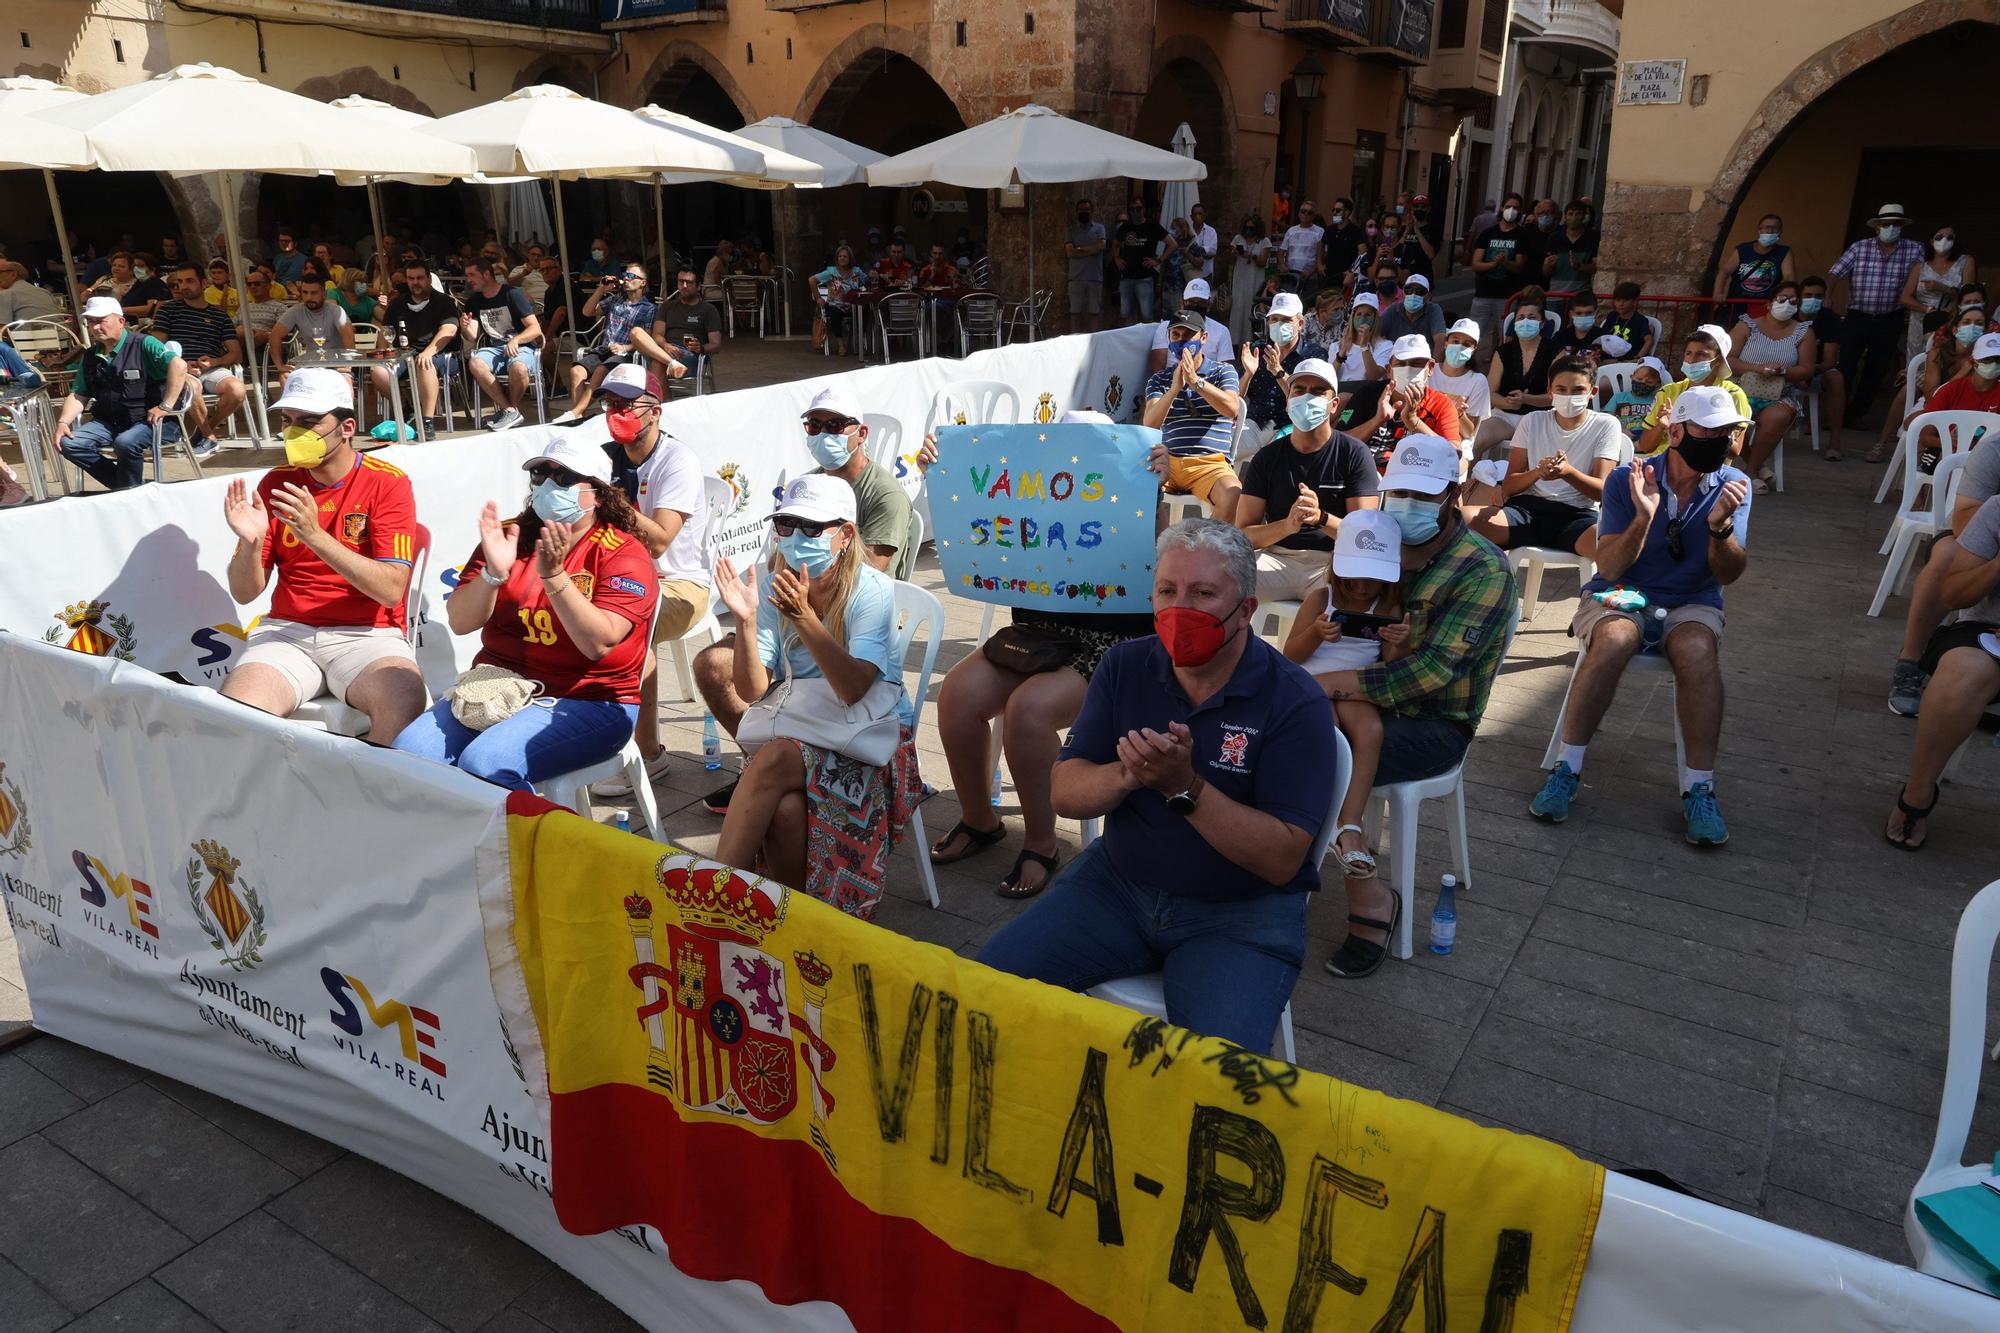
[{"x": 840, "y": 162}]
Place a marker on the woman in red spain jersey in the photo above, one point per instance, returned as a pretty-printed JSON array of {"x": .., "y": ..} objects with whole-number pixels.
[{"x": 562, "y": 594}]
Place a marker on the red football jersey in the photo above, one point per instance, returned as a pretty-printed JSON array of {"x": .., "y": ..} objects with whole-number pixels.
[
  {"x": 371, "y": 510},
  {"x": 525, "y": 635}
]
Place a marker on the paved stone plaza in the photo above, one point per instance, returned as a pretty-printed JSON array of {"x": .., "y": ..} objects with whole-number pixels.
[{"x": 1764, "y": 1023}]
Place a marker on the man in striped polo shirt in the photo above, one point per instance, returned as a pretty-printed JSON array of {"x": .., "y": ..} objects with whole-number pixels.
[{"x": 1193, "y": 404}]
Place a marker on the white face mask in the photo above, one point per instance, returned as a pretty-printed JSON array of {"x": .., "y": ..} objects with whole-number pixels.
[
  {"x": 1407, "y": 375},
  {"x": 1784, "y": 309},
  {"x": 1570, "y": 404},
  {"x": 1509, "y": 213},
  {"x": 1941, "y": 244}
]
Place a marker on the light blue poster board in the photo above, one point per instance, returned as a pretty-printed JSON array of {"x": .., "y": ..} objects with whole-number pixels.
[{"x": 1046, "y": 516}]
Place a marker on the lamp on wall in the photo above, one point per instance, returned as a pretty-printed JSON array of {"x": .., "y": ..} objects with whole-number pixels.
[{"x": 1307, "y": 77}]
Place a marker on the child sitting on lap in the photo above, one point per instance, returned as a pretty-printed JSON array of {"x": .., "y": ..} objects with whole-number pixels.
[{"x": 1355, "y": 620}]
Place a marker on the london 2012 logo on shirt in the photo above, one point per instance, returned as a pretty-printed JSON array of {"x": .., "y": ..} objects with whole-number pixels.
[{"x": 1235, "y": 748}]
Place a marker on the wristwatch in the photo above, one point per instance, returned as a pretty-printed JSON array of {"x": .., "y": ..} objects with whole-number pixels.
[
  {"x": 1183, "y": 802},
  {"x": 1721, "y": 534}
]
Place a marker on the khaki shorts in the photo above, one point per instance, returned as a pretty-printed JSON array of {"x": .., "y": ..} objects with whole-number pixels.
[
  {"x": 1286, "y": 574},
  {"x": 316, "y": 658},
  {"x": 682, "y": 603},
  {"x": 1592, "y": 613},
  {"x": 1197, "y": 475}
]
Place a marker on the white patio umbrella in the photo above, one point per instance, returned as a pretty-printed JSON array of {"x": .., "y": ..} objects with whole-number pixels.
[
  {"x": 840, "y": 162},
  {"x": 1035, "y": 146},
  {"x": 1180, "y": 197},
  {"x": 27, "y": 141},
  {"x": 773, "y": 170},
  {"x": 223, "y": 124},
  {"x": 550, "y": 131}
]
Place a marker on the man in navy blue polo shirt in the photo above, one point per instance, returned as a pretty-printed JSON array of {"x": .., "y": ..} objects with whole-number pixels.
[
  {"x": 1210, "y": 758},
  {"x": 1673, "y": 530}
]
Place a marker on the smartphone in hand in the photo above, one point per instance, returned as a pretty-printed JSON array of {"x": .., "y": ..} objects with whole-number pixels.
[
  {"x": 1332, "y": 500},
  {"x": 1361, "y": 625}
]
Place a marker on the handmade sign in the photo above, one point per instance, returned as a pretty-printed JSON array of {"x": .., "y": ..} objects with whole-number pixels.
[
  {"x": 839, "y": 1113},
  {"x": 1050, "y": 516}
]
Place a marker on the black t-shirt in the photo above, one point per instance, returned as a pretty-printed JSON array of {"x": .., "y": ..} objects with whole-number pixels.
[
  {"x": 501, "y": 315},
  {"x": 1634, "y": 330},
  {"x": 1498, "y": 242},
  {"x": 1138, "y": 242},
  {"x": 679, "y": 321},
  {"x": 422, "y": 324},
  {"x": 1342, "y": 244},
  {"x": 1533, "y": 377},
  {"x": 1279, "y": 469},
  {"x": 1826, "y": 328},
  {"x": 145, "y": 289},
  {"x": 1410, "y": 256}
]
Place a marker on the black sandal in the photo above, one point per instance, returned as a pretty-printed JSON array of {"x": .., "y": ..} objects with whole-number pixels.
[
  {"x": 977, "y": 841},
  {"x": 1010, "y": 887},
  {"x": 1911, "y": 815},
  {"x": 1357, "y": 958}
]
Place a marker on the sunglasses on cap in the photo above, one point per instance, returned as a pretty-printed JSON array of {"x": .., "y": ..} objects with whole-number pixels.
[
  {"x": 562, "y": 476},
  {"x": 785, "y": 525},
  {"x": 828, "y": 425}
]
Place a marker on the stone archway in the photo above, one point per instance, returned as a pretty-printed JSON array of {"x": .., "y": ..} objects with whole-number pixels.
[
  {"x": 1651, "y": 234},
  {"x": 831, "y": 92},
  {"x": 678, "y": 64},
  {"x": 563, "y": 71},
  {"x": 364, "y": 81}
]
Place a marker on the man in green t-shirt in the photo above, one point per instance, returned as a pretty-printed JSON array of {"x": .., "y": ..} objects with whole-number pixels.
[
  {"x": 836, "y": 437},
  {"x": 129, "y": 382}
]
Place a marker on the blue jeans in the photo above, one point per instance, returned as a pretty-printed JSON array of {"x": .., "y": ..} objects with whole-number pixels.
[
  {"x": 1418, "y": 747},
  {"x": 133, "y": 446},
  {"x": 1135, "y": 298},
  {"x": 548, "y": 738},
  {"x": 496, "y": 360},
  {"x": 1229, "y": 966}
]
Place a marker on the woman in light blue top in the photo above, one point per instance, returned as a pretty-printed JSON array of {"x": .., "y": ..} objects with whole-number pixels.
[{"x": 819, "y": 820}]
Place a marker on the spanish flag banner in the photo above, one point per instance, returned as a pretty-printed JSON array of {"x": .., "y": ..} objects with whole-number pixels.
[{"x": 838, "y": 1113}]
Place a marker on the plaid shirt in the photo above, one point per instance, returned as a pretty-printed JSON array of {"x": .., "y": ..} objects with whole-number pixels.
[
  {"x": 1458, "y": 607},
  {"x": 1875, "y": 279}
]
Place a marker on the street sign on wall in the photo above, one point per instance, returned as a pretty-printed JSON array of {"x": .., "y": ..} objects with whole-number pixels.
[{"x": 1651, "y": 82}]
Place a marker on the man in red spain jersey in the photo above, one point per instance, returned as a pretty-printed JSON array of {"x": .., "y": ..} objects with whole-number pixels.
[{"x": 340, "y": 529}]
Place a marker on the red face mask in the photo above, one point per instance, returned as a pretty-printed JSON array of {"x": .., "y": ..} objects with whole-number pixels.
[
  {"x": 1192, "y": 637},
  {"x": 625, "y": 426}
]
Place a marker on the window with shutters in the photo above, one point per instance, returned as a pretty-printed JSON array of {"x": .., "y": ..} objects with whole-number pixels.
[
  {"x": 1451, "y": 24},
  {"x": 1493, "y": 27}
]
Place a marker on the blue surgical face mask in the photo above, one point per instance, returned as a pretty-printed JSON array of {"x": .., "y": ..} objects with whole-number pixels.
[
  {"x": 1418, "y": 519},
  {"x": 1695, "y": 370},
  {"x": 557, "y": 504},
  {"x": 1457, "y": 356},
  {"x": 1968, "y": 334},
  {"x": 1767, "y": 238},
  {"x": 1889, "y": 235},
  {"x": 1281, "y": 330},
  {"x": 814, "y": 555},
  {"x": 1810, "y": 306},
  {"x": 1307, "y": 411},
  {"x": 1414, "y": 302},
  {"x": 361, "y": 289},
  {"x": 1583, "y": 323},
  {"x": 1527, "y": 328},
  {"x": 831, "y": 450}
]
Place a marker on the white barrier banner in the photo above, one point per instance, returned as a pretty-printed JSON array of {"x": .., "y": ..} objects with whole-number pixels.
[{"x": 143, "y": 575}]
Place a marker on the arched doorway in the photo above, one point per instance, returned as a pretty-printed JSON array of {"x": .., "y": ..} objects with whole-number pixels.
[
  {"x": 1183, "y": 90},
  {"x": 700, "y": 215},
  {"x": 101, "y": 207}
]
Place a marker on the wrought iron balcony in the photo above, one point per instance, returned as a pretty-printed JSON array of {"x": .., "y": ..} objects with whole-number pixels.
[
  {"x": 567, "y": 15},
  {"x": 1329, "y": 22},
  {"x": 653, "y": 13}
]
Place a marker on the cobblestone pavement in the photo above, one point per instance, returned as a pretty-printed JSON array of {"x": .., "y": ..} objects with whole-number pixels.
[{"x": 1765, "y": 1023}]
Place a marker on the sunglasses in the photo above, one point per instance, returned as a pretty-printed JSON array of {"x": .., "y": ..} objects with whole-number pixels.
[
  {"x": 635, "y": 277},
  {"x": 785, "y": 525},
  {"x": 827, "y": 425},
  {"x": 562, "y": 476}
]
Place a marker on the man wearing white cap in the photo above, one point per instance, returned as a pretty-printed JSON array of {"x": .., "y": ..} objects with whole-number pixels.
[
  {"x": 1458, "y": 601},
  {"x": 340, "y": 530},
  {"x": 128, "y": 381},
  {"x": 1195, "y": 297},
  {"x": 1454, "y": 376},
  {"x": 662, "y": 478},
  {"x": 1296, "y": 492},
  {"x": 1406, "y": 404},
  {"x": 1671, "y": 531},
  {"x": 1267, "y": 366},
  {"x": 1873, "y": 271},
  {"x": 1415, "y": 313}
]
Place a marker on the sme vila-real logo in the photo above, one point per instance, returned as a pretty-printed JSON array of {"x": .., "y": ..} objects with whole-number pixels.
[
  {"x": 230, "y": 911},
  {"x": 100, "y": 885},
  {"x": 418, "y": 1031},
  {"x": 15, "y": 831},
  {"x": 93, "y": 629}
]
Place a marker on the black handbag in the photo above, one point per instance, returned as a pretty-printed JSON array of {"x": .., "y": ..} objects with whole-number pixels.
[{"x": 1030, "y": 649}]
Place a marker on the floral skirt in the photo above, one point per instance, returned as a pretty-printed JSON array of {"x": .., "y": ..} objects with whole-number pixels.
[{"x": 855, "y": 816}]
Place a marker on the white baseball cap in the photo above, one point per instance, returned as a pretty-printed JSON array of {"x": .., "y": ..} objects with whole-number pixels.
[
  {"x": 1318, "y": 368},
  {"x": 1464, "y": 327},
  {"x": 1369, "y": 299},
  {"x": 627, "y": 381},
  {"x": 835, "y": 402},
  {"x": 1425, "y": 464},
  {"x": 1410, "y": 347},
  {"x": 1987, "y": 347},
  {"x": 1286, "y": 303},
  {"x": 579, "y": 456},
  {"x": 1417, "y": 280},
  {"x": 1615, "y": 346},
  {"x": 1654, "y": 364},
  {"x": 316, "y": 389},
  {"x": 1196, "y": 290},
  {"x": 1706, "y": 405},
  {"x": 1368, "y": 545},
  {"x": 1083, "y": 416},
  {"x": 817, "y": 498},
  {"x": 1721, "y": 336},
  {"x": 97, "y": 307}
]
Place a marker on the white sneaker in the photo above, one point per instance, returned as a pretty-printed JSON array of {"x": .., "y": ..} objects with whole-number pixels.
[
  {"x": 563, "y": 420},
  {"x": 656, "y": 769},
  {"x": 507, "y": 420}
]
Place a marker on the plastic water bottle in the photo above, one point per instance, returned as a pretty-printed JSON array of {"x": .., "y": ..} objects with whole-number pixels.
[
  {"x": 624, "y": 825},
  {"x": 996, "y": 784},
  {"x": 711, "y": 743},
  {"x": 1444, "y": 917},
  {"x": 1654, "y": 630}
]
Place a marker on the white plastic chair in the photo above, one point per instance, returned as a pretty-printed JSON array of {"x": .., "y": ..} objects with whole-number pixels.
[
  {"x": 1613, "y": 380},
  {"x": 327, "y": 713},
  {"x": 1529, "y": 562},
  {"x": 885, "y": 441},
  {"x": 1913, "y": 386},
  {"x": 980, "y": 402},
  {"x": 1401, "y": 801},
  {"x": 1956, "y": 431},
  {"x": 628, "y": 763},
  {"x": 1273, "y": 621},
  {"x": 1640, "y": 662},
  {"x": 919, "y": 615},
  {"x": 1965, "y": 1053},
  {"x": 719, "y": 497},
  {"x": 1147, "y": 994}
]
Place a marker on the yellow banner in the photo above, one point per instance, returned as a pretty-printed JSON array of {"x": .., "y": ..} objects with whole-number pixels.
[{"x": 712, "y": 1040}]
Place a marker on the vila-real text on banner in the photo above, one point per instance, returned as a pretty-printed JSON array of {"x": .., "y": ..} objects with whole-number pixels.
[{"x": 836, "y": 1112}]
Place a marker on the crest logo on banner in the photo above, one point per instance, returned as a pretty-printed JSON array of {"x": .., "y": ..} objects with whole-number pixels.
[
  {"x": 230, "y": 912},
  {"x": 15, "y": 831},
  {"x": 739, "y": 487},
  {"x": 93, "y": 629},
  {"x": 1114, "y": 396},
  {"x": 1045, "y": 409}
]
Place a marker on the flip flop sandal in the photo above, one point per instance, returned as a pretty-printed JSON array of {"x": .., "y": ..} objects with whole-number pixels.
[
  {"x": 1355, "y": 864},
  {"x": 977, "y": 841},
  {"x": 1911, "y": 816},
  {"x": 1010, "y": 887},
  {"x": 1358, "y": 958}
]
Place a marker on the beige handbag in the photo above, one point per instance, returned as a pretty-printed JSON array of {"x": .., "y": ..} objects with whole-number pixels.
[{"x": 488, "y": 695}]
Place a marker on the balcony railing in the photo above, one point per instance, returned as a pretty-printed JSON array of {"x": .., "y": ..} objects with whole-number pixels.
[
  {"x": 645, "y": 13},
  {"x": 1401, "y": 31},
  {"x": 1580, "y": 23},
  {"x": 568, "y": 15},
  {"x": 1329, "y": 22}
]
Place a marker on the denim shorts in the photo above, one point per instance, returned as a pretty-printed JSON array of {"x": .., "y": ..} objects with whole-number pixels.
[
  {"x": 1419, "y": 747},
  {"x": 524, "y": 357}
]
